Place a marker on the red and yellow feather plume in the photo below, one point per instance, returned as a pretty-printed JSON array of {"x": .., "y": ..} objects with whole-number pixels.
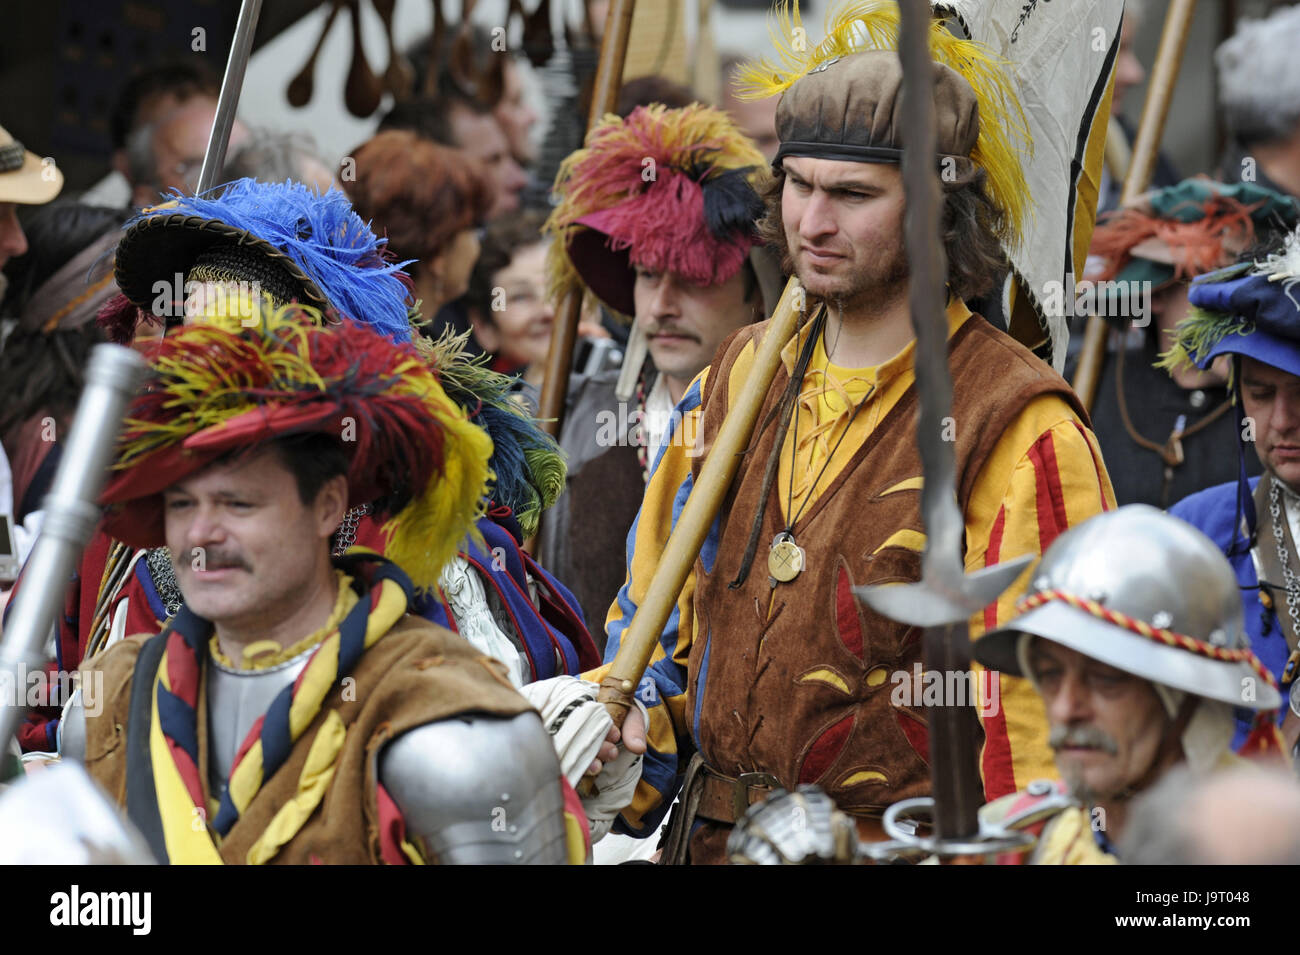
[{"x": 214, "y": 390}]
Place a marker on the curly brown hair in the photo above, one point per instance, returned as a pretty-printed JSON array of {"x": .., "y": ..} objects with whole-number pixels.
[
  {"x": 968, "y": 223},
  {"x": 420, "y": 194}
]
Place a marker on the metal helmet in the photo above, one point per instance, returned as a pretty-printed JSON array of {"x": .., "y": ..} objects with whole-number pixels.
[{"x": 1138, "y": 563}]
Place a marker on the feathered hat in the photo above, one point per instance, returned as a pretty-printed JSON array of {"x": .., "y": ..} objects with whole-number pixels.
[
  {"x": 668, "y": 190},
  {"x": 1188, "y": 229},
  {"x": 840, "y": 100},
  {"x": 213, "y": 391},
  {"x": 1249, "y": 309},
  {"x": 293, "y": 242},
  {"x": 299, "y": 245}
]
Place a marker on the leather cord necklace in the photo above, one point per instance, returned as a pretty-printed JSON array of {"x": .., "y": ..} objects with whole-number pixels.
[
  {"x": 1171, "y": 452},
  {"x": 786, "y": 559},
  {"x": 783, "y": 409}
]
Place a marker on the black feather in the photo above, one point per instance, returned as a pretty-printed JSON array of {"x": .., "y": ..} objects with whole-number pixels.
[{"x": 730, "y": 204}]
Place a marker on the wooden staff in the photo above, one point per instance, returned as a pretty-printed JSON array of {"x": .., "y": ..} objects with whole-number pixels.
[
  {"x": 559, "y": 357},
  {"x": 1164, "y": 74},
  {"x": 642, "y": 636}
]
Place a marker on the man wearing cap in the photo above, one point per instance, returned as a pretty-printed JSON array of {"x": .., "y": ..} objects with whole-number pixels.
[
  {"x": 1132, "y": 632},
  {"x": 211, "y": 259},
  {"x": 294, "y": 709},
  {"x": 1250, "y": 313},
  {"x": 769, "y": 671},
  {"x": 25, "y": 179},
  {"x": 679, "y": 254},
  {"x": 1160, "y": 431}
]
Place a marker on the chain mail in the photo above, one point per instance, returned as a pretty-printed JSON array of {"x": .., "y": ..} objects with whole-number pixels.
[{"x": 163, "y": 575}]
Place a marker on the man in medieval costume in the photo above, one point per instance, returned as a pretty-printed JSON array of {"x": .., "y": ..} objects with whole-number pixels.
[
  {"x": 24, "y": 180},
  {"x": 1132, "y": 635},
  {"x": 768, "y": 673},
  {"x": 1132, "y": 632},
  {"x": 202, "y": 259},
  {"x": 1250, "y": 312},
  {"x": 656, "y": 218},
  {"x": 1161, "y": 431},
  {"x": 295, "y": 709}
]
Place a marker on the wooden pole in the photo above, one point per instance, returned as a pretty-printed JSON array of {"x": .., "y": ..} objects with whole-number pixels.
[
  {"x": 1164, "y": 74},
  {"x": 564, "y": 335},
  {"x": 642, "y": 636}
]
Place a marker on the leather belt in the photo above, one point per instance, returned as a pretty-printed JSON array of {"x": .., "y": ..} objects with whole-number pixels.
[{"x": 725, "y": 798}]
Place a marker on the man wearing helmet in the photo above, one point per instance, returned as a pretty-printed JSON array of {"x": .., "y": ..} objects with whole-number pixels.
[{"x": 1132, "y": 632}]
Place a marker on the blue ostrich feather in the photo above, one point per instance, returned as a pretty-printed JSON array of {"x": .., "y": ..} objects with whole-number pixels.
[{"x": 323, "y": 235}]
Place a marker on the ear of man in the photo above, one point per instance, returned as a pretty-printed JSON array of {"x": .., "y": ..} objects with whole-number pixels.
[{"x": 331, "y": 504}]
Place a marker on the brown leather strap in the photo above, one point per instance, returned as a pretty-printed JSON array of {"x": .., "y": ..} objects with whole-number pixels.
[
  {"x": 724, "y": 799},
  {"x": 676, "y": 846}
]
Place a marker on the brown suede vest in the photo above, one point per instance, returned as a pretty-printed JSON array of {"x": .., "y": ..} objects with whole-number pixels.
[
  {"x": 416, "y": 674},
  {"x": 796, "y": 681}
]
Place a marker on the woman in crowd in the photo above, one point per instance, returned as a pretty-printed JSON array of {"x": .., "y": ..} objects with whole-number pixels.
[
  {"x": 511, "y": 314},
  {"x": 430, "y": 201}
]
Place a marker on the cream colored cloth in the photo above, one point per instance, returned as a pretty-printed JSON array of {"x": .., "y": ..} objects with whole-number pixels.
[
  {"x": 578, "y": 725},
  {"x": 468, "y": 599}
]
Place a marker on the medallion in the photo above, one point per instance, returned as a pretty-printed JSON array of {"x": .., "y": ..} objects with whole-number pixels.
[{"x": 785, "y": 559}]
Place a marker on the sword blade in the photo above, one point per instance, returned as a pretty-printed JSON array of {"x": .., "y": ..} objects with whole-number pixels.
[{"x": 231, "y": 84}]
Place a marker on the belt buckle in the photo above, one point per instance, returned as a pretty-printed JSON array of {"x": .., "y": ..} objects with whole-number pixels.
[{"x": 740, "y": 790}]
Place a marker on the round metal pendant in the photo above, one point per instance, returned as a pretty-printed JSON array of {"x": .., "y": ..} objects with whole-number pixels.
[{"x": 785, "y": 559}]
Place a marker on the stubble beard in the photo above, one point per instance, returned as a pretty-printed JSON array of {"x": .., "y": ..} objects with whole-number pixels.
[{"x": 865, "y": 292}]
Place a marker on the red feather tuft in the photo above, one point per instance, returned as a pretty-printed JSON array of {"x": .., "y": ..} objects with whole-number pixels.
[{"x": 119, "y": 318}]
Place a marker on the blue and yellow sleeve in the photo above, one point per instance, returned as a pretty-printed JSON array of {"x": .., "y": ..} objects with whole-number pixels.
[{"x": 663, "y": 688}]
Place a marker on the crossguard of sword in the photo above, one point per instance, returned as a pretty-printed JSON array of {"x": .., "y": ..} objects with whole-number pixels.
[
  {"x": 944, "y": 594},
  {"x": 903, "y": 820}
]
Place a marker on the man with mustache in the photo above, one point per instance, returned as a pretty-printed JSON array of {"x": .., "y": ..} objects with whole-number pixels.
[
  {"x": 1250, "y": 313},
  {"x": 296, "y": 709},
  {"x": 1132, "y": 633},
  {"x": 206, "y": 259},
  {"x": 657, "y": 220},
  {"x": 769, "y": 673}
]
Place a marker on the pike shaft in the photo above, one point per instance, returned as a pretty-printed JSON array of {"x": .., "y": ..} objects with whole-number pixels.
[{"x": 956, "y": 796}]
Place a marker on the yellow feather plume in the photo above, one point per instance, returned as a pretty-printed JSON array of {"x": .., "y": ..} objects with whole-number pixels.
[
  {"x": 427, "y": 533},
  {"x": 873, "y": 25}
]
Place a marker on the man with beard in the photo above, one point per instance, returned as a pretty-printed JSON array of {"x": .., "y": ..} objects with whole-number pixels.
[
  {"x": 1132, "y": 632},
  {"x": 768, "y": 673}
]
